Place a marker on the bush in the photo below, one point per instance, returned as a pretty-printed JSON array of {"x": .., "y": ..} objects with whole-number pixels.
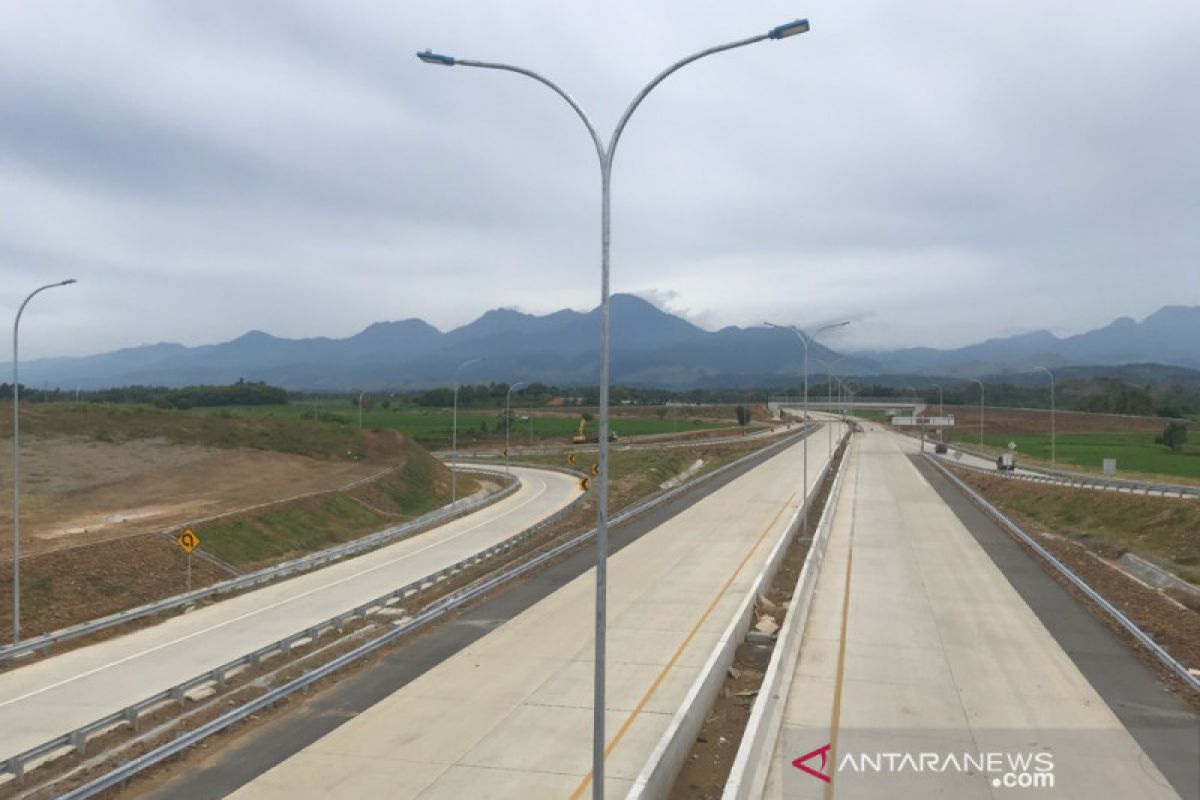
[{"x": 1174, "y": 436}]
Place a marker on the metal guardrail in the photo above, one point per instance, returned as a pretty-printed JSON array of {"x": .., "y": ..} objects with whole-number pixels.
[
  {"x": 78, "y": 738},
  {"x": 1082, "y": 479},
  {"x": 250, "y": 580},
  {"x": 1115, "y": 613}
]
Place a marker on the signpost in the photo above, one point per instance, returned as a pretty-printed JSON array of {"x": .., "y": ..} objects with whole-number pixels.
[{"x": 188, "y": 541}]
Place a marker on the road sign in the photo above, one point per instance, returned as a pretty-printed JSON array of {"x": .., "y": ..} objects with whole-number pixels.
[
  {"x": 188, "y": 540},
  {"x": 570, "y": 458},
  {"x": 584, "y": 483},
  {"x": 595, "y": 469},
  {"x": 1012, "y": 445}
]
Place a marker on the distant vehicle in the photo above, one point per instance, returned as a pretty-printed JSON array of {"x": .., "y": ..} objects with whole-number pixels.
[
  {"x": 941, "y": 449},
  {"x": 581, "y": 436},
  {"x": 1005, "y": 463}
]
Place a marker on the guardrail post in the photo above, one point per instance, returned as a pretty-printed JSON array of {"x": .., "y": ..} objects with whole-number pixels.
[
  {"x": 133, "y": 718},
  {"x": 79, "y": 742},
  {"x": 16, "y": 767}
]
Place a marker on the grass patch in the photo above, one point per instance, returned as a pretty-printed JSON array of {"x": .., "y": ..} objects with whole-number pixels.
[
  {"x": 1163, "y": 530},
  {"x": 1135, "y": 452},
  {"x": 255, "y": 540},
  {"x": 224, "y": 429}
]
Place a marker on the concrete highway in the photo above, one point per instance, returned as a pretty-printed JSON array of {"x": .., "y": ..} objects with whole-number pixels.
[
  {"x": 929, "y": 636},
  {"x": 510, "y": 714},
  {"x": 51, "y": 697}
]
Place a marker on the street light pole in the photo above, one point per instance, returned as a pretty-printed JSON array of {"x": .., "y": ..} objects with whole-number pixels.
[
  {"x": 516, "y": 387},
  {"x": 941, "y": 406},
  {"x": 829, "y": 379},
  {"x": 16, "y": 445},
  {"x": 805, "y": 339},
  {"x": 1053, "y": 459},
  {"x": 605, "y": 153},
  {"x": 454, "y": 433},
  {"x": 976, "y": 380}
]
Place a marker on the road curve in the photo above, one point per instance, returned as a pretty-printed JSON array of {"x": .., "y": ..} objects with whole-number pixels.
[{"x": 46, "y": 699}]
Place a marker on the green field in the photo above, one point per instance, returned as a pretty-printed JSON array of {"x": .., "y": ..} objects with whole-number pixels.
[
  {"x": 1135, "y": 452},
  {"x": 432, "y": 426}
]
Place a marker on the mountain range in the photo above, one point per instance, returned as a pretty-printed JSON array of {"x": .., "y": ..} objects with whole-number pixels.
[{"x": 650, "y": 347}]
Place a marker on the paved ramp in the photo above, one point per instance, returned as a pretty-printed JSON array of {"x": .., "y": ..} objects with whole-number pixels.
[{"x": 46, "y": 699}]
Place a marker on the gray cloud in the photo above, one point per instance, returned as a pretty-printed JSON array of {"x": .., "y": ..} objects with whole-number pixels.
[{"x": 940, "y": 173}]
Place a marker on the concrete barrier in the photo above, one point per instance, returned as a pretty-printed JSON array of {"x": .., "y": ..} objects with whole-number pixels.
[
  {"x": 665, "y": 761},
  {"x": 752, "y": 763}
]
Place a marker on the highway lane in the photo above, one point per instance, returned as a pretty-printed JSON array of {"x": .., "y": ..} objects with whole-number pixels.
[
  {"x": 510, "y": 715},
  {"x": 49, "y": 698},
  {"x": 918, "y": 643}
]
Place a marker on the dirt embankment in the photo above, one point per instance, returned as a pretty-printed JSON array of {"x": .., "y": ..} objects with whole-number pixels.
[
  {"x": 93, "y": 512},
  {"x": 1036, "y": 422},
  {"x": 77, "y": 491}
]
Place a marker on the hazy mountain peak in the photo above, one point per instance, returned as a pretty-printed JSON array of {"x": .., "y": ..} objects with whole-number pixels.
[{"x": 650, "y": 347}]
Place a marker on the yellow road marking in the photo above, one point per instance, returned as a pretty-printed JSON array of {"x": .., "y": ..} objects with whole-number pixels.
[
  {"x": 835, "y": 718},
  {"x": 637, "y": 710}
]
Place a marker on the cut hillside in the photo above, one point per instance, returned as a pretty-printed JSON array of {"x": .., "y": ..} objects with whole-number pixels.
[
  {"x": 1163, "y": 530},
  {"x": 419, "y": 484},
  {"x": 96, "y": 515}
]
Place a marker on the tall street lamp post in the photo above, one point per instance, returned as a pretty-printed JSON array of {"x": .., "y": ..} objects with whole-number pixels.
[
  {"x": 16, "y": 446},
  {"x": 805, "y": 340},
  {"x": 605, "y": 153},
  {"x": 516, "y": 387},
  {"x": 454, "y": 432},
  {"x": 1052, "y": 426},
  {"x": 941, "y": 405},
  {"x": 976, "y": 380},
  {"x": 829, "y": 377}
]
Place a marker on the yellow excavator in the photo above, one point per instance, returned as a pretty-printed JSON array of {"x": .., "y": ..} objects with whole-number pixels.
[{"x": 581, "y": 436}]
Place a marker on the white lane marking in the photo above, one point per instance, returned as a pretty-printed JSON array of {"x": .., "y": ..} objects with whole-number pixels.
[{"x": 285, "y": 601}]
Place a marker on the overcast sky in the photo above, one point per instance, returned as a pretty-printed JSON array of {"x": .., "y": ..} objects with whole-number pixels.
[{"x": 938, "y": 172}]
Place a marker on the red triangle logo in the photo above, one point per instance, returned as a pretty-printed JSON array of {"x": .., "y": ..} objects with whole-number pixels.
[{"x": 823, "y": 752}]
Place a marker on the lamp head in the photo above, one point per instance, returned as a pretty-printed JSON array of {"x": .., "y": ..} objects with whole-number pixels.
[
  {"x": 430, "y": 57},
  {"x": 788, "y": 29}
]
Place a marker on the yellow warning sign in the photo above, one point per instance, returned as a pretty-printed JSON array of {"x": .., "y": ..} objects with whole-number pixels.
[
  {"x": 584, "y": 483},
  {"x": 595, "y": 469},
  {"x": 570, "y": 458},
  {"x": 188, "y": 540}
]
